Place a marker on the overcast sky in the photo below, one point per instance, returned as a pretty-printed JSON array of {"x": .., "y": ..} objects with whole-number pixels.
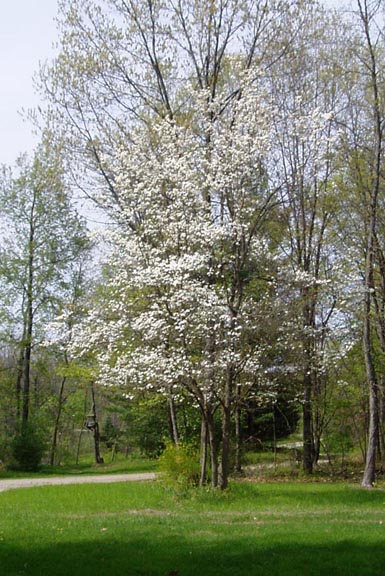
[{"x": 27, "y": 33}]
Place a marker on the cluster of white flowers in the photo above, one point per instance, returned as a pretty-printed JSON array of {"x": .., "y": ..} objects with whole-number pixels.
[{"x": 175, "y": 313}]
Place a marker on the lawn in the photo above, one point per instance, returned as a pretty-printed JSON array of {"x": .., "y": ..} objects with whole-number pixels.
[
  {"x": 121, "y": 465},
  {"x": 144, "y": 529}
]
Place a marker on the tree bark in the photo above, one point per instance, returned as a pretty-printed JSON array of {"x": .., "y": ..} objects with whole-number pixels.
[
  {"x": 308, "y": 371},
  {"x": 226, "y": 429},
  {"x": 371, "y": 452},
  {"x": 57, "y": 422},
  {"x": 93, "y": 425},
  {"x": 28, "y": 326},
  {"x": 213, "y": 448},
  {"x": 226, "y": 448},
  {"x": 307, "y": 426},
  {"x": 203, "y": 451},
  {"x": 173, "y": 420},
  {"x": 19, "y": 380},
  {"x": 369, "y": 285},
  {"x": 237, "y": 455}
]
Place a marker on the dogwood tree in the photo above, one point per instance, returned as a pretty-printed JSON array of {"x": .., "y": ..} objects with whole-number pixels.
[
  {"x": 192, "y": 265},
  {"x": 182, "y": 316}
]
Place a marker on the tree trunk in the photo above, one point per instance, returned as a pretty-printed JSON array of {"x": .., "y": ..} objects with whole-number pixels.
[
  {"x": 203, "y": 451},
  {"x": 379, "y": 307},
  {"x": 98, "y": 458},
  {"x": 92, "y": 424},
  {"x": 237, "y": 456},
  {"x": 57, "y": 422},
  {"x": 369, "y": 476},
  {"x": 28, "y": 321},
  {"x": 78, "y": 444},
  {"x": 309, "y": 304},
  {"x": 173, "y": 421},
  {"x": 19, "y": 380},
  {"x": 371, "y": 452},
  {"x": 213, "y": 448},
  {"x": 226, "y": 447},
  {"x": 77, "y": 458},
  {"x": 318, "y": 421},
  {"x": 226, "y": 429},
  {"x": 381, "y": 422},
  {"x": 308, "y": 448}
]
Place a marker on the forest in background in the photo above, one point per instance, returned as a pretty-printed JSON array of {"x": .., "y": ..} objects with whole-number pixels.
[{"x": 235, "y": 293}]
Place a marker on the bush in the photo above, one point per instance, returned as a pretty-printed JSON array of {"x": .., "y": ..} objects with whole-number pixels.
[
  {"x": 179, "y": 465},
  {"x": 5, "y": 450},
  {"x": 28, "y": 449}
]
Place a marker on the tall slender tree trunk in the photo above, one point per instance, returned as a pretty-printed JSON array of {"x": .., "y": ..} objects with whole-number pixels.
[
  {"x": 370, "y": 465},
  {"x": 237, "y": 455},
  {"x": 226, "y": 430},
  {"x": 226, "y": 447},
  {"x": 94, "y": 427},
  {"x": 19, "y": 379},
  {"x": 57, "y": 422},
  {"x": 379, "y": 306},
  {"x": 173, "y": 420},
  {"x": 381, "y": 422},
  {"x": 79, "y": 440},
  {"x": 371, "y": 452},
  {"x": 213, "y": 448},
  {"x": 203, "y": 451},
  {"x": 317, "y": 434},
  {"x": 28, "y": 327},
  {"x": 307, "y": 425},
  {"x": 307, "y": 407}
]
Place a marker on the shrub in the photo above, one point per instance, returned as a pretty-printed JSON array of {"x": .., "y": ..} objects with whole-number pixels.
[
  {"x": 28, "y": 449},
  {"x": 5, "y": 451},
  {"x": 179, "y": 465}
]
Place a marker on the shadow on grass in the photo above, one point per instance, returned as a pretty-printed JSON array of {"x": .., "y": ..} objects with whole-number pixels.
[{"x": 176, "y": 557}]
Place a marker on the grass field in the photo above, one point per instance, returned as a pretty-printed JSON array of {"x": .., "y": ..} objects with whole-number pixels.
[
  {"x": 122, "y": 465},
  {"x": 144, "y": 529}
]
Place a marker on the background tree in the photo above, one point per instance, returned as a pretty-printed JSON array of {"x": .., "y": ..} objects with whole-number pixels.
[
  {"x": 361, "y": 184},
  {"x": 43, "y": 236},
  {"x": 309, "y": 167}
]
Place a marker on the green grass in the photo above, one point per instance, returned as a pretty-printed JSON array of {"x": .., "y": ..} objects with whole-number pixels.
[
  {"x": 143, "y": 529},
  {"x": 121, "y": 465}
]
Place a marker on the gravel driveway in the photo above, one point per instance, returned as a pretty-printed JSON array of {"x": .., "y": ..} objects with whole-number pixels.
[{"x": 65, "y": 480}]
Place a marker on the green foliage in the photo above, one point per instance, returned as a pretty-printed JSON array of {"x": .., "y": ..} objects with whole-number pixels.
[
  {"x": 5, "y": 450},
  {"x": 264, "y": 424},
  {"x": 28, "y": 449},
  {"x": 145, "y": 424},
  {"x": 340, "y": 441},
  {"x": 179, "y": 465},
  {"x": 111, "y": 432}
]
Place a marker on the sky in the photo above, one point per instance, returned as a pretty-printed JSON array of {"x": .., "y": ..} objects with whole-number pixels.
[{"x": 27, "y": 35}]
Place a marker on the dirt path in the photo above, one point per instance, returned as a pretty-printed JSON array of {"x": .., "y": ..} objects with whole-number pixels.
[{"x": 65, "y": 480}]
